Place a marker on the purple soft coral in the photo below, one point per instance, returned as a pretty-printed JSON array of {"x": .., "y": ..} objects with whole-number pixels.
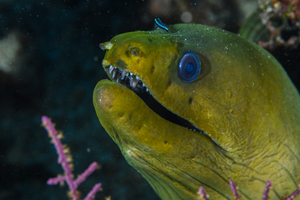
[
  {"x": 267, "y": 189},
  {"x": 293, "y": 196},
  {"x": 233, "y": 188},
  {"x": 203, "y": 194},
  {"x": 65, "y": 160}
]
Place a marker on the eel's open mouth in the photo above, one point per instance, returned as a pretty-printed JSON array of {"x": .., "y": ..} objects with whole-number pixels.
[{"x": 134, "y": 83}]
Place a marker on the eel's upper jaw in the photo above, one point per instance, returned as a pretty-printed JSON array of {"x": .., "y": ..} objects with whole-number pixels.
[{"x": 121, "y": 76}]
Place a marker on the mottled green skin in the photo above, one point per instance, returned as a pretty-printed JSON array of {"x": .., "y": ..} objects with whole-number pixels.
[{"x": 243, "y": 100}]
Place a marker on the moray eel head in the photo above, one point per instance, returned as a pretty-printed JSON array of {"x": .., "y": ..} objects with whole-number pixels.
[{"x": 235, "y": 120}]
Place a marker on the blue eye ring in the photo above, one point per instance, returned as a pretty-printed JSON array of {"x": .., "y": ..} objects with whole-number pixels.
[{"x": 189, "y": 67}]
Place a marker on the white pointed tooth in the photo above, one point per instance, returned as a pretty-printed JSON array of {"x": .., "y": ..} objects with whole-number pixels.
[
  {"x": 113, "y": 74},
  {"x": 134, "y": 83},
  {"x": 137, "y": 78},
  {"x": 147, "y": 90},
  {"x": 123, "y": 74},
  {"x": 110, "y": 68},
  {"x": 130, "y": 73},
  {"x": 144, "y": 85},
  {"x": 131, "y": 82}
]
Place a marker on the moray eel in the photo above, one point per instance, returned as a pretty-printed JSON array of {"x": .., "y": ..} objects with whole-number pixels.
[{"x": 198, "y": 106}]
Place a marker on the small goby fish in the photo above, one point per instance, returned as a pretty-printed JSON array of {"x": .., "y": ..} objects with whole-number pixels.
[
  {"x": 224, "y": 109},
  {"x": 160, "y": 24}
]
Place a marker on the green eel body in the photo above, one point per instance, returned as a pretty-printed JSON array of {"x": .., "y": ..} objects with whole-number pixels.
[{"x": 243, "y": 106}]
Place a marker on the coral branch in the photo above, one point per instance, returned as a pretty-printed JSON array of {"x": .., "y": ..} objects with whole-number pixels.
[
  {"x": 289, "y": 13},
  {"x": 65, "y": 160},
  {"x": 233, "y": 188},
  {"x": 293, "y": 196},
  {"x": 267, "y": 189},
  {"x": 202, "y": 193},
  {"x": 86, "y": 173},
  {"x": 56, "y": 180},
  {"x": 93, "y": 192}
]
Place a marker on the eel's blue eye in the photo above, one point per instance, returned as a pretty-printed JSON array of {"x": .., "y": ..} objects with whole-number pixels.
[{"x": 189, "y": 66}]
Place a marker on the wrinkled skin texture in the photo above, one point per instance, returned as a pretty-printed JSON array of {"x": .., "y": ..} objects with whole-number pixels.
[{"x": 242, "y": 99}]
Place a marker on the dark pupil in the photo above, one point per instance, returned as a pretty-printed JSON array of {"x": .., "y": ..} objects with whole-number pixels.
[
  {"x": 190, "y": 67},
  {"x": 134, "y": 52}
]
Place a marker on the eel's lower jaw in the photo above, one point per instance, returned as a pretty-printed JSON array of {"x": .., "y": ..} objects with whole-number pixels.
[{"x": 134, "y": 83}]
